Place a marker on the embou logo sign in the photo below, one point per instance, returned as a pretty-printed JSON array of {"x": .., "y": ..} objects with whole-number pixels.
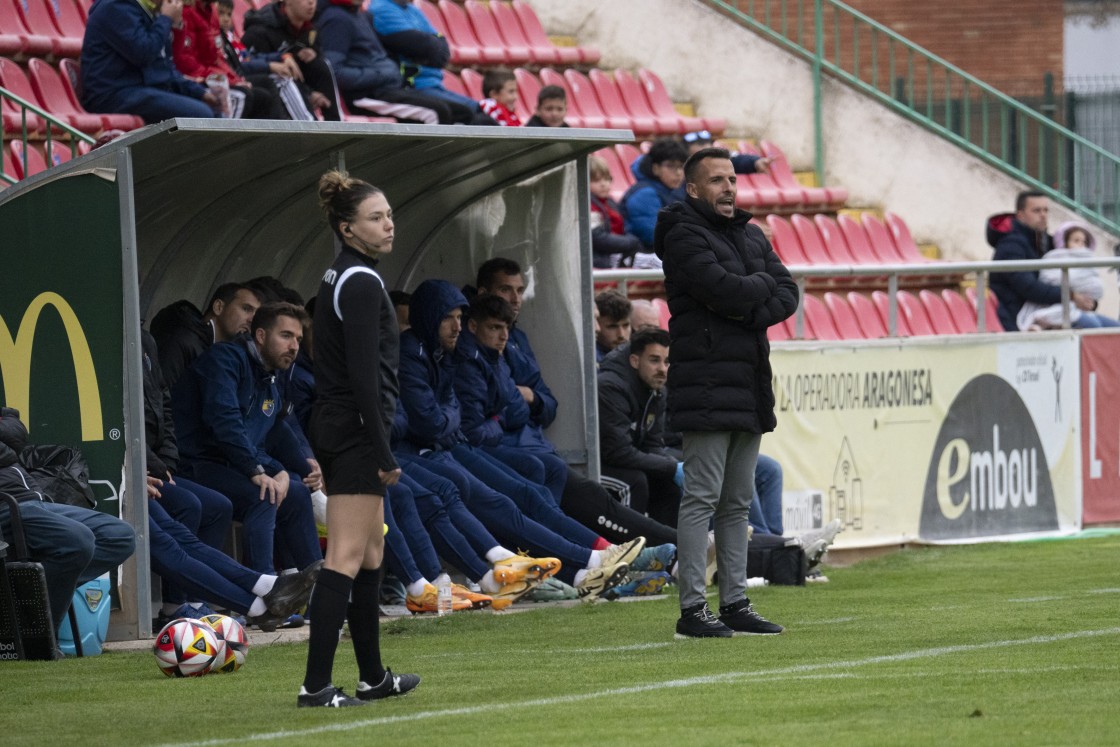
[
  {"x": 15, "y": 362},
  {"x": 988, "y": 473}
]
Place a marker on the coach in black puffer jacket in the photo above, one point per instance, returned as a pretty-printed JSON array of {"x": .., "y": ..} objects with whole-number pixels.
[
  {"x": 14, "y": 479},
  {"x": 726, "y": 286}
]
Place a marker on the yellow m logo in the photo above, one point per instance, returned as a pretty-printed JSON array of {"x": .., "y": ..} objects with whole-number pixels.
[{"x": 15, "y": 362}]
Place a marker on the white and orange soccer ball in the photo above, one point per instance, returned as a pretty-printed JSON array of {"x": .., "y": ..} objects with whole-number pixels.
[
  {"x": 185, "y": 648},
  {"x": 233, "y": 644}
]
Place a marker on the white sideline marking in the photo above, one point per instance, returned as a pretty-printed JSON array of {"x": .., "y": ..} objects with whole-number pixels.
[
  {"x": 1103, "y": 591},
  {"x": 1029, "y": 600},
  {"x": 598, "y": 650},
  {"x": 797, "y": 671}
]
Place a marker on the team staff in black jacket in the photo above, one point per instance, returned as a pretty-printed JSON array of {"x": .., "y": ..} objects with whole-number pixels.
[
  {"x": 725, "y": 285},
  {"x": 356, "y": 354}
]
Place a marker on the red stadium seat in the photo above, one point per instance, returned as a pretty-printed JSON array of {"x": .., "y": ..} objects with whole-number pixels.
[
  {"x": 991, "y": 310},
  {"x": 472, "y": 82},
  {"x": 57, "y": 99},
  {"x": 463, "y": 52},
  {"x": 15, "y": 80},
  {"x": 58, "y": 153},
  {"x": 534, "y": 33},
  {"x": 581, "y": 89},
  {"x": 71, "y": 78},
  {"x": 779, "y": 332},
  {"x": 758, "y": 190},
  {"x": 67, "y": 19},
  {"x": 527, "y": 89},
  {"x": 613, "y": 105},
  {"x": 575, "y": 116},
  {"x": 627, "y": 154},
  {"x": 662, "y": 105},
  {"x": 461, "y": 34},
  {"x": 881, "y": 302},
  {"x": 882, "y": 243},
  {"x": 785, "y": 241},
  {"x": 35, "y": 160},
  {"x": 39, "y": 20},
  {"x": 662, "y": 307},
  {"x": 817, "y": 198},
  {"x": 810, "y": 238},
  {"x": 17, "y": 38},
  {"x": 963, "y": 313},
  {"x": 819, "y": 320},
  {"x": 917, "y": 320},
  {"x": 83, "y": 8},
  {"x": 636, "y": 103},
  {"x": 903, "y": 241},
  {"x": 9, "y": 168},
  {"x": 621, "y": 178},
  {"x": 836, "y": 244},
  {"x": 453, "y": 83},
  {"x": 486, "y": 31},
  {"x": 509, "y": 26},
  {"x": 843, "y": 317},
  {"x": 943, "y": 320},
  {"x": 867, "y": 316}
]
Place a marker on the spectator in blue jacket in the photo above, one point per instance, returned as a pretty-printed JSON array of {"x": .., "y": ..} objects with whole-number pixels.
[
  {"x": 233, "y": 437},
  {"x": 422, "y": 52},
  {"x": 127, "y": 66},
  {"x": 660, "y": 176},
  {"x": 366, "y": 73},
  {"x": 517, "y": 512}
]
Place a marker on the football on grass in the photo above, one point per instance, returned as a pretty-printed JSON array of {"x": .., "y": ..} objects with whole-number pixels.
[{"x": 185, "y": 648}]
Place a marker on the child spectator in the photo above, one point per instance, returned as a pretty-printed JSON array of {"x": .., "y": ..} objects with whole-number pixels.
[
  {"x": 552, "y": 107},
  {"x": 1071, "y": 241},
  {"x": 611, "y": 246},
  {"x": 500, "y": 88},
  {"x": 660, "y": 174}
]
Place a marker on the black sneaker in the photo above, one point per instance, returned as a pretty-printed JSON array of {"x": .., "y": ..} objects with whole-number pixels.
[
  {"x": 699, "y": 622},
  {"x": 290, "y": 592},
  {"x": 392, "y": 685},
  {"x": 329, "y": 697},
  {"x": 743, "y": 620}
]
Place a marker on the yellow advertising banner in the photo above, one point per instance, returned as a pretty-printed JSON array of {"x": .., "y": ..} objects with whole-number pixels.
[{"x": 933, "y": 440}]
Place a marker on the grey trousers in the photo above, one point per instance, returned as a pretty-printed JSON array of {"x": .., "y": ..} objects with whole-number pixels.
[{"x": 718, "y": 480}]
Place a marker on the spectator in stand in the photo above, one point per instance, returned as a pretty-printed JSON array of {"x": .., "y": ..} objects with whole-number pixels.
[
  {"x": 552, "y": 107},
  {"x": 367, "y": 78},
  {"x": 742, "y": 162},
  {"x": 233, "y": 439},
  {"x": 269, "y": 71},
  {"x": 632, "y": 425},
  {"x": 614, "y": 322},
  {"x": 198, "y": 55},
  {"x": 611, "y": 246},
  {"x": 183, "y": 333},
  {"x": 1024, "y": 236},
  {"x": 506, "y": 504},
  {"x": 282, "y": 32},
  {"x": 127, "y": 65},
  {"x": 643, "y": 314},
  {"x": 74, "y": 544},
  {"x": 1072, "y": 240},
  {"x": 659, "y": 176},
  {"x": 500, "y": 89},
  {"x": 495, "y": 419},
  {"x": 725, "y": 283},
  {"x": 422, "y": 52}
]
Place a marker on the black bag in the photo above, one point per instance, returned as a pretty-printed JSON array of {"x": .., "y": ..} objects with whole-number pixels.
[
  {"x": 26, "y": 627},
  {"x": 62, "y": 474},
  {"x": 770, "y": 558}
]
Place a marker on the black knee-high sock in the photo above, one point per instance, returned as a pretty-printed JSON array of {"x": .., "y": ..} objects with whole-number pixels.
[
  {"x": 365, "y": 626},
  {"x": 327, "y": 610}
]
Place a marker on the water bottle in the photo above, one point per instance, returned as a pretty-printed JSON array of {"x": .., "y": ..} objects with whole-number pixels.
[{"x": 443, "y": 598}]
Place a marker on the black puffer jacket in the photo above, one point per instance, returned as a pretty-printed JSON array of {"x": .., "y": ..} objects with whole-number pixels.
[
  {"x": 14, "y": 479},
  {"x": 159, "y": 433},
  {"x": 182, "y": 335},
  {"x": 726, "y": 285},
  {"x": 631, "y": 419}
]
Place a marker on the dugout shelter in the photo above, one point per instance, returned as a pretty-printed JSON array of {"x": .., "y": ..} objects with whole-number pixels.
[{"x": 95, "y": 247}]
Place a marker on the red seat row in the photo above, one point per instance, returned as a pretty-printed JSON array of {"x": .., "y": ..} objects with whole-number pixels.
[
  {"x": 855, "y": 316},
  {"x": 52, "y": 154},
  {"x": 42, "y": 28},
  {"x": 596, "y": 100},
  {"x": 845, "y": 241},
  {"x": 53, "y": 91},
  {"x": 499, "y": 33},
  {"x": 779, "y": 189}
]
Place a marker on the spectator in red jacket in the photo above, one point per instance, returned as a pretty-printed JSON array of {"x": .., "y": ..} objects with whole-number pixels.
[{"x": 500, "y": 88}]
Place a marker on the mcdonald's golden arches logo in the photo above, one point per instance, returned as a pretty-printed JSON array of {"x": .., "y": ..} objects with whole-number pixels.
[{"x": 15, "y": 362}]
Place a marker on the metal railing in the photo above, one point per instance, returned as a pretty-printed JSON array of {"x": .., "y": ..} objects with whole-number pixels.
[
  {"x": 979, "y": 270},
  {"x": 53, "y": 127},
  {"x": 1027, "y": 145}
]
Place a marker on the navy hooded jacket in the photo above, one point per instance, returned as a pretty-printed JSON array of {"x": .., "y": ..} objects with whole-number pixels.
[
  {"x": 361, "y": 65},
  {"x": 527, "y": 372},
  {"x": 427, "y": 371},
  {"x": 493, "y": 411},
  {"x": 1013, "y": 240}
]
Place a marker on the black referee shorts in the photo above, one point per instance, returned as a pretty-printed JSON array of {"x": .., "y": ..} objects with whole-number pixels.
[{"x": 344, "y": 451}]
